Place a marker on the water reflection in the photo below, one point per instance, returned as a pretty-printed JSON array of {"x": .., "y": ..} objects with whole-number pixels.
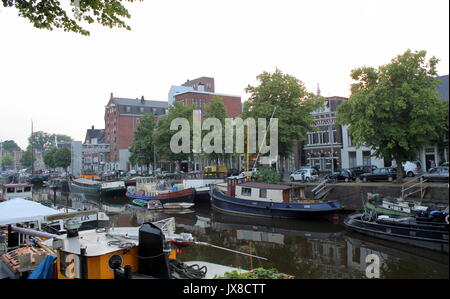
[{"x": 305, "y": 249}]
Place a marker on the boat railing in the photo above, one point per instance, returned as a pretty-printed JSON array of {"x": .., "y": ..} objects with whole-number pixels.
[{"x": 407, "y": 188}]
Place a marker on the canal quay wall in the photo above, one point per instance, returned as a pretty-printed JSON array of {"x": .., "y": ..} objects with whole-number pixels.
[{"x": 351, "y": 195}]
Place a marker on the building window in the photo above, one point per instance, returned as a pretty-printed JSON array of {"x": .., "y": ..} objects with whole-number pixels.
[
  {"x": 128, "y": 109},
  {"x": 141, "y": 109},
  {"x": 366, "y": 158}
]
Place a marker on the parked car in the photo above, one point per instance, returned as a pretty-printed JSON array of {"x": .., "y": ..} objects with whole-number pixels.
[
  {"x": 304, "y": 175},
  {"x": 438, "y": 174},
  {"x": 345, "y": 175},
  {"x": 380, "y": 174},
  {"x": 243, "y": 174},
  {"x": 310, "y": 167},
  {"x": 412, "y": 168},
  {"x": 359, "y": 170}
]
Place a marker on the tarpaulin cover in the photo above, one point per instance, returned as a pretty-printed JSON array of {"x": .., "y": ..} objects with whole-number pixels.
[
  {"x": 20, "y": 210},
  {"x": 45, "y": 269}
]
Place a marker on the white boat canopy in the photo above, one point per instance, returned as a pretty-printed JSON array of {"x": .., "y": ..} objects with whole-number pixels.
[{"x": 20, "y": 210}]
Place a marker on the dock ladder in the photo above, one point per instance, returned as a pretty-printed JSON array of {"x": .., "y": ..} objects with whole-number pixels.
[
  {"x": 413, "y": 187},
  {"x": 321, "y": 190}
]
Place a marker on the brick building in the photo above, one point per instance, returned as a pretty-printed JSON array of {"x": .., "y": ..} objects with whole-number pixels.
[
  {"x": 322, "y": 148},
  {"x": 200, "y": 92},
  {"x": 122, "y": 115}
]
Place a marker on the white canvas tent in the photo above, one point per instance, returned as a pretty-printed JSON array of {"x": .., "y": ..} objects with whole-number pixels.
[{"x": 20, "y": 210}]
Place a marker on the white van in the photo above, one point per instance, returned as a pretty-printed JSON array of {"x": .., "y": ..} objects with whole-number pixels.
[
  {"x": 412, "y": 168},
  {"x": 307, "y": 175}
]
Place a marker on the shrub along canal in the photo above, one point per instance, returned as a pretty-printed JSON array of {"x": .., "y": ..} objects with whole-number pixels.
[{"x": 319, "y": 248}]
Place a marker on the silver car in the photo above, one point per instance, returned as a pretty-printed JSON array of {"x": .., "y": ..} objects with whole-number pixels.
[{"x": 436, "y": 174}]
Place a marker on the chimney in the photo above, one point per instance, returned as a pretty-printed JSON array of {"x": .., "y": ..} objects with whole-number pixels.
[
  {"x": 92, "y": 127},
  {"x": 142, "y": 100},
  {"x": 111, "y": 95}
]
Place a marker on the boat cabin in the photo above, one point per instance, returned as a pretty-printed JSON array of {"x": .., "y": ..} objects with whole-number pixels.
[
  {"x": 151, "y": 186},
  {"x": 10, "y": 191},
  {"x": 269, "y": 192}
]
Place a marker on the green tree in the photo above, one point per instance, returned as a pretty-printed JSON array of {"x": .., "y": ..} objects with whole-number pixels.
[
  {"x": 27, "y": 158},
  {"x": 41, "y": 141},
  {"x": 395, "y": 109},
  {"x": 10, "y": 146},
  {"x": 216, "y": 109},
  {"x": 61, "y": 138},
  {"x": 142, "y": 148},
  {"x": 293, "y": 103},
  {"x": 49, "y": 14},
  {"x": 6, "y": 161},
  {"x": 163, "y": 134},
  {"x": 50, "y": 158},
  {"x": 63, "y": 157},
  {"x": 268, "y": 175}
]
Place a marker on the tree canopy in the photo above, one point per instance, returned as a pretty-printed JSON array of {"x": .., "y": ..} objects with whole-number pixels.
[
  {"x": 293, "y": 102},
  {"x": 50, "y": 14},
  {"x": 43, "y": 141},
  {"x": 58, "y": 157},
  {"x": 6, "y": 161},
  {"x": 27, "y": 158},
  {"x": 395, "y": 109},
  {"x": 216, "y": 109},
  {"x": 10, "y": 146},
  {"x": 143, "y": 146},
  {"x": 163, "y": 133}
]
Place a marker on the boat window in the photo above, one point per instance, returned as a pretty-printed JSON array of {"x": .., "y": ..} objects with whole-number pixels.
[
  {"x": 263, "y": 193},
  {"x": 10, "y": 190},
  {"x": 246, "y": 191},
  {"x": 27, "y": 189},
  {"x": 20, "y": 190}
]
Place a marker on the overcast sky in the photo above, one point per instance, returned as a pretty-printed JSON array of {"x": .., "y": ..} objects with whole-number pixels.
[{"x": 63, "y": 80}]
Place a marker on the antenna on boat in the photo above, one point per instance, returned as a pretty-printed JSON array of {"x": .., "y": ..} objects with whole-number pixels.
[
  {"x": 265, "y": 135},
  {"x": 231, "y": 250}
]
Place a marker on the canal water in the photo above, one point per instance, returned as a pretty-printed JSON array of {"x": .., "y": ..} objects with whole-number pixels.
[{"x": 319, "y": 248}]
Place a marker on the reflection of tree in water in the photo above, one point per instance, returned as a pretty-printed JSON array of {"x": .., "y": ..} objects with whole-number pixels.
[{"x": 393, "y": 267}]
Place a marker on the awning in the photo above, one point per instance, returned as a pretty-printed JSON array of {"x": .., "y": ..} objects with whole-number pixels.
[{"x": 20, "y": 210}]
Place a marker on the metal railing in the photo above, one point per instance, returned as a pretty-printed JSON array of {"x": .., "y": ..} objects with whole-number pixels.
[{"x": 413, "y": 184}]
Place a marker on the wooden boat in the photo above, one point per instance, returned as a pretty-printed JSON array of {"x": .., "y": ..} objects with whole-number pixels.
[
  {"x": 10, "y": 191},
  {"x": 415, "y": 231},
  {"x": 178, "y": 205},
  {"x": 269, "y": 200},
  {"x": 149, "y": 188},
  {"x": 82, "y": 185}
]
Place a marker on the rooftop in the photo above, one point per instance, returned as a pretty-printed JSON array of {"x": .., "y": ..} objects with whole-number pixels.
[{"x": 139, "y": 102}]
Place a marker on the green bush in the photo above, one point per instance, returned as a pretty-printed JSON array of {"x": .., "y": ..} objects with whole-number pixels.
[{"x": 268, "y": 175}]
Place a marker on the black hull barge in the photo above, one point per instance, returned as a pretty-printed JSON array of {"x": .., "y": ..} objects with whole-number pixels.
[{"x": 406, "y": 230}]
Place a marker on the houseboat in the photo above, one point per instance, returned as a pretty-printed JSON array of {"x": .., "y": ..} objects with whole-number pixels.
[
  {"x": 150, "y": 188},
  {"x": 10, "y": 191},
  {"x": 269, "y": 200},
  {"x": 82, "y": 185}
]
